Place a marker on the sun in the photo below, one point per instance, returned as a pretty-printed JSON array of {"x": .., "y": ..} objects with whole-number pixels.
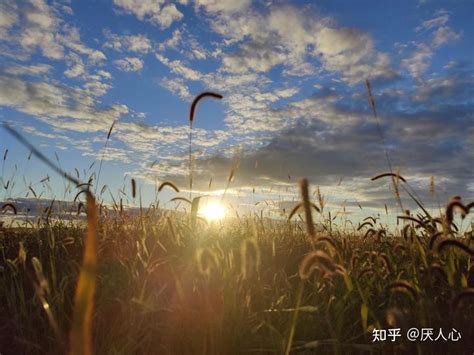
[{"x": 213, "y": 211}]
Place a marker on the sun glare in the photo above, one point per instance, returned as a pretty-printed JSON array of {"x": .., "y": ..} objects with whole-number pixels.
[{"x": 213, "y": 211}]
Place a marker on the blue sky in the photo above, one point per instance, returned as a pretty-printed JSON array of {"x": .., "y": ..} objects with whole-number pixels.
[{"x": 293, "y": 79}]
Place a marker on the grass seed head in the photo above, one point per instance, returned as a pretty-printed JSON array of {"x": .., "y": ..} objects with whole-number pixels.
[
  {"x": 316, "y": 259},
  {"x": 250, "y": 258}
]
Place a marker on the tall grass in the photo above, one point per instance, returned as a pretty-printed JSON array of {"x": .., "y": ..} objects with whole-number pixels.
[
  {"x": 81, "y": 328},
  {"x": 192, "y": 112},
  {"x": 167, "y": 284}
]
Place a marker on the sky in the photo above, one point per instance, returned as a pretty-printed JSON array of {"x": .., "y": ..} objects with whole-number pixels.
[{"x": 295, "y": 103}]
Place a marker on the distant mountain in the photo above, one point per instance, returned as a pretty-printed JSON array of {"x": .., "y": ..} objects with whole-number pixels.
[
  {"x": 35, "y": 207},
  {"x": 31, "y": 207}
]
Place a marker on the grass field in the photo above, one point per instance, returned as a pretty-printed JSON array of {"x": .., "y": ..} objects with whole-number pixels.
[{"x": 164, "y": 282}]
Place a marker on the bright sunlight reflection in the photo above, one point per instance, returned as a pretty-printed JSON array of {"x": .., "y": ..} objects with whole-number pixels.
[{"x": 213, "y": 211}]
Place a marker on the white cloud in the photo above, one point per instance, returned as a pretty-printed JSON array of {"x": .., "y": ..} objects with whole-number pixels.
[
  {"x": 445, "y": 87},
  {"x": 66, "y": 9},
  {"x": 146, "y": 138},
  {"x": 129, "y": 64},
  {"x": 185, "y": 43},
  {"x": 419, "y": 61},
  {"x": 169, "y": 14},
  {"x": 34, "y": 69},
  {"x": 179, "y": 68},
  {"x": 231, "y": 83},
  {"x": 439, "y": 84},
  {"x": 275, "y": 95},
  {"x": 35, "y": 131},
  {"x": 301, "y": 69},
  {"x": 441, "y": 32},
  {"x": 173, "y": 41},
  {"x": 289, "y": 92},
  {"x": 198, "y": 53},
  {"x": 8, "y": 17},
  {"x": 176, "y": 86},
  {"x": 96, "y": 88},
  {"x": 444, "y": 35},
  {"x": 302, "y": 27},
  {"x": 333, "y": 42},
  {"x": 227, "y": 6},
  {"x": 45, "y": 41},
  {"x": 132, "y": 43},
  {"x": 139, "y": 115},
  {"x": 75, "y": 66},
  {"x": 59, "y": 106},
  {"x": 263, "y": 42},
  {"x": 171, "y": 141},
  {"x": 40, "y": 30},
  {"x": 441, "y": 18},
  {"x": 267, "y": 42},
  {"x": 154, "y": 11},
  {"x": 110, "y": 154},
  {"x": 42, "y": 16},
  {"x": 259, "y": 55},
  {"x": 139, "y": 44},
  {"x": 71, "y": 39},
  {"x": 351, "y": 53},
  {"x": 235, "y": 28},
  {"x": 105, "y": 74}
]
